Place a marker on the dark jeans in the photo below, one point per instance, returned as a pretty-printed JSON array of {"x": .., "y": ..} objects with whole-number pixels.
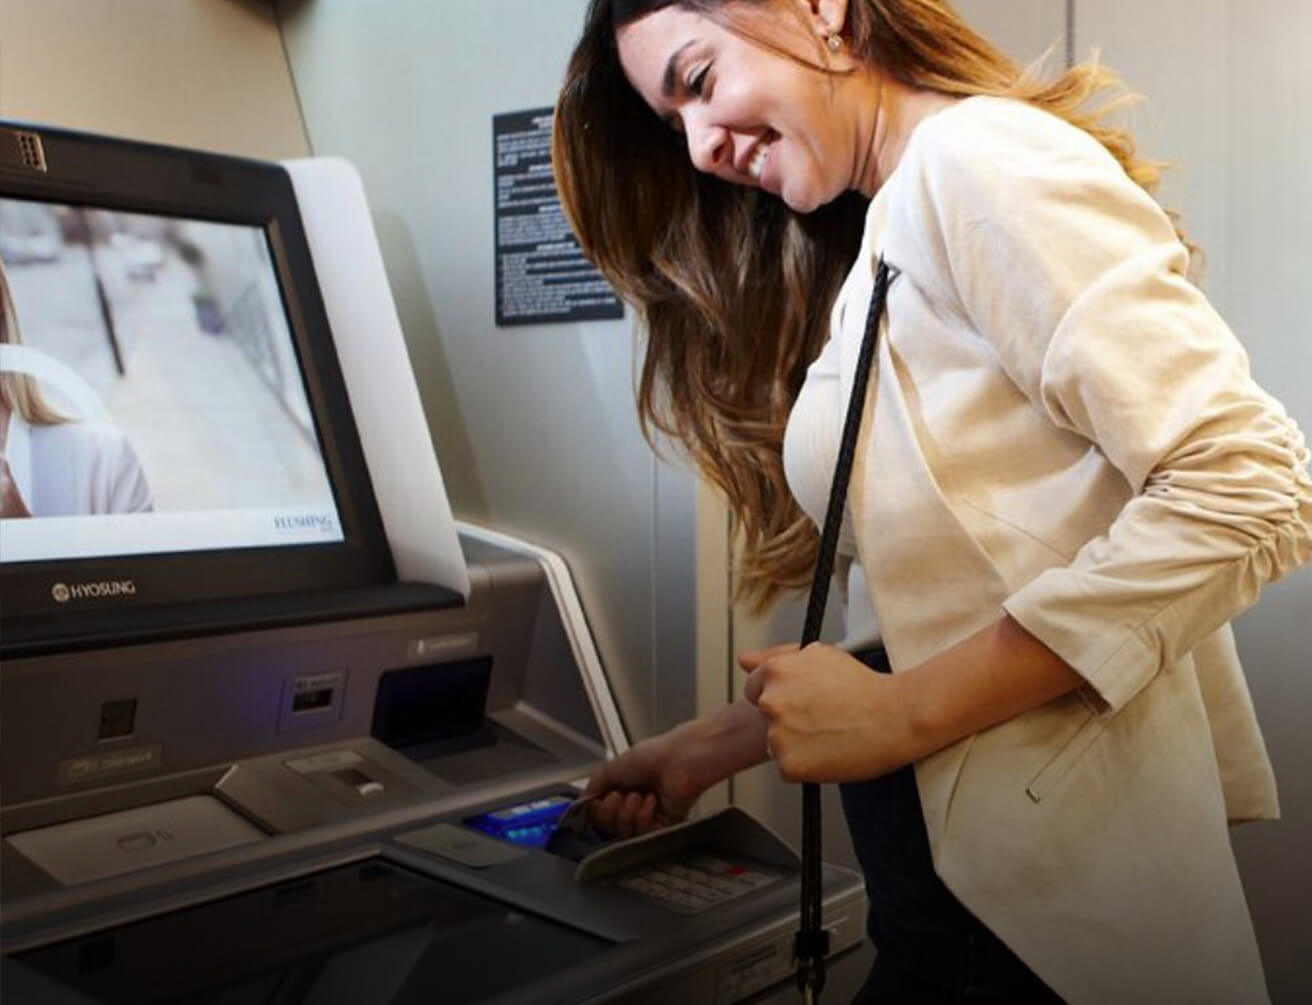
[{"x": 931, "y": 950}]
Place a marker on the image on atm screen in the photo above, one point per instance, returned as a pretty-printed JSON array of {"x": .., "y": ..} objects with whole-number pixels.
[{"x": 151, "y": 398}]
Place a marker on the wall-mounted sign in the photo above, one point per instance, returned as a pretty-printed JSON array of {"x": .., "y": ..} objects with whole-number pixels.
[{"x": 542, "y": 276}]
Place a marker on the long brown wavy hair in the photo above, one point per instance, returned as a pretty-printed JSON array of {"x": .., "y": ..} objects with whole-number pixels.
[
  {"x": 734, "y": 288},
  {"x": 18, "y": 392}
]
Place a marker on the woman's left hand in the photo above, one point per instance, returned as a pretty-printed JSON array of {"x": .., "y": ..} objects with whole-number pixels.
[{"x": 831, "y": 718}]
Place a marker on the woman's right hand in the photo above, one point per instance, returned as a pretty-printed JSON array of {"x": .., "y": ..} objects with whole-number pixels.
[
  {"x": 648, "y": 787},
  {"x": 656, "y": 782}
]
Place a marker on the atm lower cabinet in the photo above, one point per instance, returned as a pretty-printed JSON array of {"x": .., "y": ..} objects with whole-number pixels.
[{"x": 447, "y": 910}]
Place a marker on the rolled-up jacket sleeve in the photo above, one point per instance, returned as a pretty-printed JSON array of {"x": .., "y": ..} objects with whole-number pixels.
[{"x": 1077, "y": 280}]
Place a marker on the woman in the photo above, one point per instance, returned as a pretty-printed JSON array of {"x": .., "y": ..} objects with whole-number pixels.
[
  {"x": 50, "y": 465},
  {"x": 1067, "y": 482}
]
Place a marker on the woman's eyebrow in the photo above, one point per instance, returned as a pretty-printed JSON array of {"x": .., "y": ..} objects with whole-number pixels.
[{"x": 669, "y": 83}]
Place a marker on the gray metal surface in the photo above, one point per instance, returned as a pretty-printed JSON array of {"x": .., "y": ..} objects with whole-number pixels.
[
  {"x": 234, "y": 804},
  {"x": 209, "y": 723},
  {"x": 112, "y": 844}
]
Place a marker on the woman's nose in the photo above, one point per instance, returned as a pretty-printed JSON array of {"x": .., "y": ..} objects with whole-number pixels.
[{"x": 709, "y": 146}]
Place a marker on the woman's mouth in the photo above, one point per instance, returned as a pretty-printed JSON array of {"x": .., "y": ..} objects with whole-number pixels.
[{"x": 761, "y": 154}]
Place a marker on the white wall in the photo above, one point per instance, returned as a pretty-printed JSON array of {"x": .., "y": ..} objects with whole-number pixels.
[
  {"x": 1024, "y": 29},
  {"x": 1229, "y": 88},
  {"x": 535, "y": 426},
  {"x": 208, "y": 74}
]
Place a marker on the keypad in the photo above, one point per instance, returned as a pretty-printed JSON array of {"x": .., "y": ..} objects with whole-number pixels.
[{"x": 693, "y": 884}]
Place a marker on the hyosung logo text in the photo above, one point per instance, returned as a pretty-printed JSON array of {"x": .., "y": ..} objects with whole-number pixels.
[{"x": 64, "y": 592}]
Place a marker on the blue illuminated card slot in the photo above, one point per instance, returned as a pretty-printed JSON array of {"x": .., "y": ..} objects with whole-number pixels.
[{"x": 529, "y": 824}]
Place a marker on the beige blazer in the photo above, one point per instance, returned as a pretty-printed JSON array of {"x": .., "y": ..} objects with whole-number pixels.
[{"x": 1060, "y": 426}]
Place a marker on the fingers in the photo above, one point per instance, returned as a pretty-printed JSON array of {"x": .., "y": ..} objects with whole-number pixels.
[
  {"x": 777, "y": 663},
  {"x": 626, "y": 772},
  {"x": 754, "y": 686},
  {"x": 596, "y": 784},
  {"x": 606, "y": 811},
  {"x": 770, "y": 667},
  {"x": 631, "y": 790},
  {"x": 757, "y": 664},
  {"x": 646, "y": 818},
  {"x": 753, "y": 658},
  {"x": 626, "y": 814}
]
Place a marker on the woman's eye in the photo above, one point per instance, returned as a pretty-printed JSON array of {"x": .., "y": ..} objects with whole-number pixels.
[{"x": 697, "y": 83}]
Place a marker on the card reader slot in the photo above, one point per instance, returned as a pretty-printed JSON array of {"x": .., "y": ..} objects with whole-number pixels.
[{"x": 311, "y": 701}]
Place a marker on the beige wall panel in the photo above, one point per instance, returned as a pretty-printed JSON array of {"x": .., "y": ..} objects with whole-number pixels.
[
  {"x": 1176, "y": 55},
  {"x": 209, "y": 74},
  {"x": 1024, "y": 29}
]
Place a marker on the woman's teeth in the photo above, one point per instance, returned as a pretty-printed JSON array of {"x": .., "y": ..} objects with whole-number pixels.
[{"x": 757, "y": 163}]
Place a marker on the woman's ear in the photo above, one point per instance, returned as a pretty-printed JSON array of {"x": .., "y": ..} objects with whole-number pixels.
[
  {"x": 827, "y": 16},
  {"x": 833, "y": 13}
]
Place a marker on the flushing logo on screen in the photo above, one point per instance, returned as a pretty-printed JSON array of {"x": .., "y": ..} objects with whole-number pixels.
[
  {"x": 63, "y": 593},
  {"x": 302, "y": 522}
]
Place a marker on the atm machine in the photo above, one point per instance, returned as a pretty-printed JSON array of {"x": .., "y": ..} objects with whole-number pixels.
[{"x": 274, "y": 727}]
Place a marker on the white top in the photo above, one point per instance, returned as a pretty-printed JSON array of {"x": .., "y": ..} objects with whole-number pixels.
[
  {"x": 810, "y": 454},
  {"x": 75, "y": 469}
]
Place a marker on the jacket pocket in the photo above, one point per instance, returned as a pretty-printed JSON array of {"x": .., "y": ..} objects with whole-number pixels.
[{"x": 1088, "y": 727}]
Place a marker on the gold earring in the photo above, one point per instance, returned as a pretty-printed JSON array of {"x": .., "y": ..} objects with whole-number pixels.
[{"x": 834, "y": 43}]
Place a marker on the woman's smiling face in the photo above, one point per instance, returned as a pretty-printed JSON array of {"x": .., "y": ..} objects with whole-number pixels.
[{"x": 751, "y": 115}]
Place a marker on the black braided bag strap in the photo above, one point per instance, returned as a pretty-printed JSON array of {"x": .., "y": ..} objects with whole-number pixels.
[{"x": 812, "y": 942}]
